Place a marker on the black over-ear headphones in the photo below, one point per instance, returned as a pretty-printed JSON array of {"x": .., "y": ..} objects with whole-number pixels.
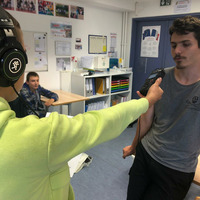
[{"x": 13, "y": 58}]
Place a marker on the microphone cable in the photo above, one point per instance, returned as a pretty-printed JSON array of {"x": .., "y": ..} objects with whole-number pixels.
[
  {"x": 139, "y": 129},
  {"x": 23, "y": 101}
]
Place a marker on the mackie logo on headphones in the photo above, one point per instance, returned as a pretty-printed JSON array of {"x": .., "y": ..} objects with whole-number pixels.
[{"x": 15, "y": 65}]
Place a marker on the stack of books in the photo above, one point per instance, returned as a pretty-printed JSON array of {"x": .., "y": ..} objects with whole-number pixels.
[{"x": 119, "y": 84}]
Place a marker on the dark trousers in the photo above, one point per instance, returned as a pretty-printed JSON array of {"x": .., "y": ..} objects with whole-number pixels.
[{"x": 149, "y": 180}]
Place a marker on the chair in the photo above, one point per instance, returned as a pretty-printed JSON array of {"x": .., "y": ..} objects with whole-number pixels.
[{"x": 19, "y": 107}]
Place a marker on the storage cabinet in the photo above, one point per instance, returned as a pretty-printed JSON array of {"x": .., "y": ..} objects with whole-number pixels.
[{"x": 103, "y": 90}]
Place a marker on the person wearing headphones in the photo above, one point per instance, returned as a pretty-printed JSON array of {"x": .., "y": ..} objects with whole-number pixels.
[
  {"x": 34, "y": 151},
  {"x": 32, "y": 91}
]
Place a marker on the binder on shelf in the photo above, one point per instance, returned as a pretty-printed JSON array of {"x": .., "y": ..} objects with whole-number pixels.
[
  {"x": 87, "y": 88},
  {"x": 90, "y": 86},
  {"x": 118, "y": 99},
  {"x": 98, "y": 105},
  {"x": 100, "y": 85},
  {"x": 107, "y": 85},
  {"x": 93, "y": 86},
  {"x": 104, "y": 86}
]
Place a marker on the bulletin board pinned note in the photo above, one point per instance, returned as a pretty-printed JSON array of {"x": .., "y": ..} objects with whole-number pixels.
[{"x": 36, "y": 49}]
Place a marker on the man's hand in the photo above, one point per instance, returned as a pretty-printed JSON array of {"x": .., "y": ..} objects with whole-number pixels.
[
  {"x": 128, "y": 151},
  {"x": 154, "y": 93},
  {"x": 49, "y": 102}
]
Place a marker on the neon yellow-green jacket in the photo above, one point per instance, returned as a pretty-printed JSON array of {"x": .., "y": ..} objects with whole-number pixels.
[{"x": 34, "y": 152}]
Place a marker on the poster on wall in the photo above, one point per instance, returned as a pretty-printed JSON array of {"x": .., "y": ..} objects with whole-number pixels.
[
  {"x": 7, "y": 4},
  {"x": 26, "y": 6},
  {"x": 45, "y": 7},
  {"x": 150, "y": 41},
  {"x": 63, "y": 64},
  {"x": 40, "y": 42},
  {"x": 76, "y": 12},
  {"x": 182, "y": 6},
  {"x": 61, "y": 10},
  {"x": 40, "y": 61},
  {"x": 40, "y": 46},
  {"x": 36, "y": 49},
  {"x": 61, "y": 29},
  {"x": 63, "y": 48},
  {"x": 113, "y": 45}
]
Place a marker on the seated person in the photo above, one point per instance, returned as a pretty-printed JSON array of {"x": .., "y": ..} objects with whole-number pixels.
[{"x": 32, "y": 91}]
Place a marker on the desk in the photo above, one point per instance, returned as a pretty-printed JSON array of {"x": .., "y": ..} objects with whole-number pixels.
[
  {"x": 197, "y": 174},
  {"x": 66, "y": 98}
]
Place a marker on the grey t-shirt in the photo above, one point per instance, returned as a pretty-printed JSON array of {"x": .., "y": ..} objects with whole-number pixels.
[{"x": 174, "y": 138}]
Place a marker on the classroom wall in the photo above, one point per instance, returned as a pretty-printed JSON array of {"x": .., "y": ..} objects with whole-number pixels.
[
  {"x": 150, "y": 8},
  {"x": 97, "y": 20}
]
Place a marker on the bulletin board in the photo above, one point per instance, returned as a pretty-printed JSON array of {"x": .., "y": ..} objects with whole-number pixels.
[
  {"x": 97, "y": 44},
  {"x": 36, "y": 49}
]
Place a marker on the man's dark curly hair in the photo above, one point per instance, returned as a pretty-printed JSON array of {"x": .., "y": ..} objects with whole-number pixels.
[{"x": 185, "y": 25}]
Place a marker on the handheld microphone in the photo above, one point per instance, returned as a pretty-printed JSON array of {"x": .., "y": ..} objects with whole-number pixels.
[{"x": 155, "y": 74}]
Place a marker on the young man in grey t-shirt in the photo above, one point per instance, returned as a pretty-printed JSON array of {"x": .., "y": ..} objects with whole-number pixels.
[{"x": 166, "y": 157}]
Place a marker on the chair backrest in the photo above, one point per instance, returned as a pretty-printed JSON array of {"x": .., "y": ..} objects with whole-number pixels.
[{"x": 19, "y": 107}]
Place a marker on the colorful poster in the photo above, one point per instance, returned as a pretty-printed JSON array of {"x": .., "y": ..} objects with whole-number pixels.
[
  {"x": 45, "y": 7},
  {"x": 62, "y": 10},
  {"x": 150, "y": 41},
  {"x": 26, "y": 6},
  {"x": 61, "y": 29},
  {"x": 7, "y": 4},
  {"x": 77, "y": 12}
]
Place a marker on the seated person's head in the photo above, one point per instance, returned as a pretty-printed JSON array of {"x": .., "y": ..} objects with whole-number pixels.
[
  {"x": 32, "y": 79},
  {"x": 6, "y": 91}
]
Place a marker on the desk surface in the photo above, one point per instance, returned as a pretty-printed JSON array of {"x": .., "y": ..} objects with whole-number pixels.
[
  {"x": 66, "y": 98},
  {"x": 197, "y": 174}
]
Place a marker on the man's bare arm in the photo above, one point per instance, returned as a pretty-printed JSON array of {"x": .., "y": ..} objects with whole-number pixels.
[{"x": 143, "y": 125}]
